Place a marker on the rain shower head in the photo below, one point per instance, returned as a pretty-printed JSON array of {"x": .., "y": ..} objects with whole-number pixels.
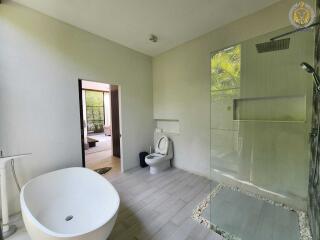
[
  {"x": 273, "y": 45},
  {"x": 309, "y": 69}
]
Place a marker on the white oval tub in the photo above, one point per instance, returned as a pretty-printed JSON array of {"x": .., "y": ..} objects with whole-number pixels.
[{"x": 72, "y": 203}]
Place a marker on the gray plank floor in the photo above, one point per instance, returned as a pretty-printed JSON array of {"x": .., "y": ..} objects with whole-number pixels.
[{"x": 160, "y": 206}]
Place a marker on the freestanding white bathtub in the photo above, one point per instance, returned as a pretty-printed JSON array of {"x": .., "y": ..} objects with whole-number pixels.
[{"x": 72, "y": 203}]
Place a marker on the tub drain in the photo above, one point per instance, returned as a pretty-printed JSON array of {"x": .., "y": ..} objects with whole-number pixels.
[{"x": 68, "y": 218}]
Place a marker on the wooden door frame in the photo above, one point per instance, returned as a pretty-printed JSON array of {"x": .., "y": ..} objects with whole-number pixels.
[
  {"x": 81, "y": 120},
  {"x": 115, "y": 121},
  {"x": 83, "y": 156}
]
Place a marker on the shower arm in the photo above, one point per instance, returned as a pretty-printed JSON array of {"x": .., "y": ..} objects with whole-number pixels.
[{"x": 294, "y": 31}]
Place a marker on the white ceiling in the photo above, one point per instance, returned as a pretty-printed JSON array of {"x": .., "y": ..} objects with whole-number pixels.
[{"x": 130, "y": 22}]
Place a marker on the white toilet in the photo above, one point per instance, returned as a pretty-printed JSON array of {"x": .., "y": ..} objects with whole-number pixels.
[{"x": 160, "y": 160}]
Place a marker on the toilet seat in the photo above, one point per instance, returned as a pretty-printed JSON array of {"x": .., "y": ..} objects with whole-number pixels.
[
  {"x": 162, "y": 145},
  {"x": 154, "y": 158},
  {"x": 161, "y": 159}
]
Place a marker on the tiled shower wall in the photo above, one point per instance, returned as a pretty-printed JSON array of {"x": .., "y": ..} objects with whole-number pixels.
[{"x": 314, "y": 185}]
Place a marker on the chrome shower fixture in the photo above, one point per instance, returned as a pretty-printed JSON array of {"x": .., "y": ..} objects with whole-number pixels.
[
  {"x": 274, "y": 45},
  {"x": 278, "y": 43},
  {"x": 309, "y": 69}
]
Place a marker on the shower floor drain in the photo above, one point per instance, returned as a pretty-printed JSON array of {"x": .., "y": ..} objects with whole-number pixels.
[{"x": 68, "y": 218}]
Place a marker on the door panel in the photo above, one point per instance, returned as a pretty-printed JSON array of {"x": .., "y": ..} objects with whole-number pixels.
[
  {"x": 114, "y": 95},
  {"x": 81, "y": 122}
]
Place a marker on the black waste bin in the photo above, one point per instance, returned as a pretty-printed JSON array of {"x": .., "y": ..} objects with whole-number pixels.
[{"x": 142, "y": 157}]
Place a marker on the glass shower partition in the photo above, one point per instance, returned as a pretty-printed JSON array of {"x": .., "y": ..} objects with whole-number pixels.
[{"x": 260, "y": 123}]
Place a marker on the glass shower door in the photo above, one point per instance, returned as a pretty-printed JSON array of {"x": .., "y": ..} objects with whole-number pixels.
[{"x": 260, "y": 123}]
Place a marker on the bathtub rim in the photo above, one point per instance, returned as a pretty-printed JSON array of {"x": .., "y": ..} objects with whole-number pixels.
[{"x": 25, "y": 210}]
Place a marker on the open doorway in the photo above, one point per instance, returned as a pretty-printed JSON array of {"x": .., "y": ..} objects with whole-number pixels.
[{"x": 100, "y": 127}]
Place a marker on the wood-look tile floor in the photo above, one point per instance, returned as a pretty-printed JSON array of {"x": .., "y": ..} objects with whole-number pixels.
[
  {"x": 101, "y": 159},
  {"x": 160, "y": 206}
]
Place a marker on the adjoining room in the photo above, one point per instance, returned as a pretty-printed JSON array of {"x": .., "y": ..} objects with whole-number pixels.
[{"x": 101, "y": 128}]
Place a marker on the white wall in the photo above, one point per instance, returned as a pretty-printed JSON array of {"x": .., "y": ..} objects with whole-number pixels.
[
  {"x": 40, "y": 62},
  {"x": 181, "y": 83}
]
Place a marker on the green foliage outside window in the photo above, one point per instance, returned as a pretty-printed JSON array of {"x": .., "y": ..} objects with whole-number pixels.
[
  {"x": 95, "y": 111},
  {"x": 225, "y": 69}
]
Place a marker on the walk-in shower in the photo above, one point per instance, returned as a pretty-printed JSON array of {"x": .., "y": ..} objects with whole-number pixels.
[{"x": 261, "y": 108}]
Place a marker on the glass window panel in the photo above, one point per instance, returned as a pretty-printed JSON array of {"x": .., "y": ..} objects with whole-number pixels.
[{"x": 225, "y": 69}]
